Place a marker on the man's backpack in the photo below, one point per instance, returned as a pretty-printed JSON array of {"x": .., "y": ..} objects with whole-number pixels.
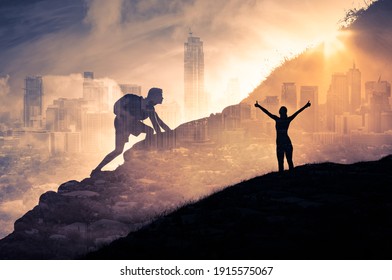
[{"x": 129, "y": 104}]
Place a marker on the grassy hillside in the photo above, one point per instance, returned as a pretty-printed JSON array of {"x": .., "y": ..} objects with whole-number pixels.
[{"x": 319, "y": 211}]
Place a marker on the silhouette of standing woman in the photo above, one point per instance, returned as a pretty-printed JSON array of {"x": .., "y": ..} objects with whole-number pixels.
[{"x": 283, "y": 142}]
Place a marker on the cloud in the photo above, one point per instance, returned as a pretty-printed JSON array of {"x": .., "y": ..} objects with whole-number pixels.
[
  {"x": 142, "y": 41},
  {"x": 103, "y": 15}
]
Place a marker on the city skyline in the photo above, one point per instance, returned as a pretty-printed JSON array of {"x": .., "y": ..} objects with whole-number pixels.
[
  {"x": 57, "y": 120},
  {"x": 84, "y": 123},
  {"x": 148, "y": 48}
]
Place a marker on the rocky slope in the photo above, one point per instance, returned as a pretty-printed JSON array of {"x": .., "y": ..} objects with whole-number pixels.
[
  {"x": 290, "y": 213},
  {"x": 319, "y": 211},
  {"x": 83, "y": 216}
]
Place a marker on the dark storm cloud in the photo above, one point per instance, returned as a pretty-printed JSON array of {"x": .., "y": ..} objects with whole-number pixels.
[{"x": 23, "y": 21}]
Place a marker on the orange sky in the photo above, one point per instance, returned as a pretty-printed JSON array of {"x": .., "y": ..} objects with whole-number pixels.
[{"x": 142, "y": 43}]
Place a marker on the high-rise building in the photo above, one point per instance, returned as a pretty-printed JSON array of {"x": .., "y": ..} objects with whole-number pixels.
[
  {"x": 309, "y": 122},
  {"x": 271, "y": 103},
  {"x": 33, "y": 97},
  {"x": 170, "y": 113},
  {"x": 234, "y": 115},
  {"x": 73, "y": 142},
  {"x": 195, "y": 101},
  {"x": 88, "y": 75},
  {"x": 380, "y": 90},
  {"x": 339, "y": 86},
  {"x": 354, "y": 86},
  {"x": 65, "y": 115},
  {"x": 289, "y": 96},
  {"x": 337, "y": 99},
  {"x": 57, "y": 142},
  {"x": 386, "y": 121},
  {"x": 347, "y": 122},
  {"x": 377, "y": 95},
  {"x": 97, "y": 131},
  {"x": 119, "y": 90},
  {"x": 130, "y": 88},
  {"x": 95, "y": 93}
]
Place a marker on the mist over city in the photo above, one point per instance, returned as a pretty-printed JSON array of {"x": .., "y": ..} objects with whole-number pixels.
[{"x": 64, "y": 65}]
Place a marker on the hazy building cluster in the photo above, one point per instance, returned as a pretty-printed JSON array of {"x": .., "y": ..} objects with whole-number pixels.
[
  {"x": 347, "y": 116},
  {"x": 85, "y": 124},
  {"x": 72, "y": 125}
]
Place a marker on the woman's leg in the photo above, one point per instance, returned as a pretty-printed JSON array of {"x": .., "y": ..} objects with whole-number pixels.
[
  {"x": 289, "y": 156},
  {"x": 280, "y": 156}
]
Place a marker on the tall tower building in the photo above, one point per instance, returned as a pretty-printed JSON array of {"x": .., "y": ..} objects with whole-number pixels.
[
  {"x": 97, "y": 131},
  {"x": 289, "y": 96},
  {"x": 271, "y": 103},
  {"x": 195, "y": 101},
  {"x": 130, "y": 88},
  {"x": 170, "y": 112},
  {"x": 309, "y": 122},
  {"x": 65, "y": 115},
  {"x": 95, "y": 93},
  {"x": 337, "y": 99},
  {"x": 354, "y": 86},
  {"x": 339, "y": 87},
  {"x": 377, "y": 94},
  {"x": 32, "y": 102}
]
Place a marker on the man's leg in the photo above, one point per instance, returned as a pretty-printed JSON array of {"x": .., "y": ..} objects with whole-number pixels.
[
  {"x": 120, "y": 143},
  {"x": 149, "y": 131}
]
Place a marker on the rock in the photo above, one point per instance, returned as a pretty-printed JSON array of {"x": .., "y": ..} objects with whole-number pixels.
[
  {"x": 100, "y": 183},
  {"x": 81, "y": 194},
  {"x": 32, "y": 231},
  {"x": 58, "y": 237},
  {"x": 68, "y": 186}
]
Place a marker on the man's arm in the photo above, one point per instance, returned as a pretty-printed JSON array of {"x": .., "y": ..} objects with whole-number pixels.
[
  {"x": 300, "y": 110},
  {"x": 161, "y": 123},
  {"x": 157, "y": 123},
  {"x": 154, "y": 121},
  {"x": 272, "y": 116}
]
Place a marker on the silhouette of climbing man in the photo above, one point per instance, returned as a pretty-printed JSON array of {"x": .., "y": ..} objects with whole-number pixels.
[
  {"x": 283, "y": 142},
  {"x": 130, "y": 111}
]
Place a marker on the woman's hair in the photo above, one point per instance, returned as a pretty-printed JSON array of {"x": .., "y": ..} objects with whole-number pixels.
[{"x": 283, "y": 110}]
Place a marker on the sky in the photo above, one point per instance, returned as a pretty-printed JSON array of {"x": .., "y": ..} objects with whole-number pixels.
[{"x": 142, "y": 42}]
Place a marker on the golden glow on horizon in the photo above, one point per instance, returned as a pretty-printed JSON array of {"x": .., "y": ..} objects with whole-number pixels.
[{"x": 334, "y": 43}]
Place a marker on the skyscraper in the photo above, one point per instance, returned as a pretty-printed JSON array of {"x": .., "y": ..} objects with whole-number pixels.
[
  {"x": 130, "y": 88},
  {"x": 195, "y": 101},
  {"x": 95, "y": 93},
  {"x": 32, "y": 102},
  {"x": 289, "y": 96},
  {"x": 309, "y": 122},
  {"x": 337, "y": 99},
  {"x": 65, "y": 115},
  {"x": 377, "y": 94},
  {"x": 354, "y": 85}
]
